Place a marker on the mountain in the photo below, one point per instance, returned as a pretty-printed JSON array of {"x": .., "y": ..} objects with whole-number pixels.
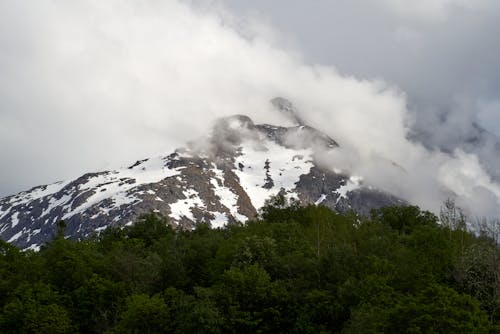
[{"x": 222, "y": 179}]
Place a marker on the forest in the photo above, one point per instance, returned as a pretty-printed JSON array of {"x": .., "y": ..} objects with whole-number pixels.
[{"x": 293, "y": 269}]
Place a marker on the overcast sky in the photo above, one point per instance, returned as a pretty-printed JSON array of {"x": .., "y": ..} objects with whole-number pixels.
[
  {"x": 90, "y": 85},
  {"x": 441, "y": 53}
]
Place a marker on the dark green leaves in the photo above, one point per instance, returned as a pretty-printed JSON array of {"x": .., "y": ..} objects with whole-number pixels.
[{"x": 296, "y": 270}]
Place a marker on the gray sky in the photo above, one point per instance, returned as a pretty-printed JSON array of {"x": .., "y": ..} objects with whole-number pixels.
[
  {"x": 89, "y": 85},
  {"x": 442, "y": 54}
]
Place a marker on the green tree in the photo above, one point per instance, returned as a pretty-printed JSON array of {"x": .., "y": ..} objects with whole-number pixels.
[
  {"x": 436, "y": 309},
  {"x": 249, "y": 300},
  {"x": 404, "y": 219},
  {"x": 149, "y": 228},
  {"x": 95, "y": 304},
  {"x": 35, "y": 309},
  {"x": 144, "y": 315}
]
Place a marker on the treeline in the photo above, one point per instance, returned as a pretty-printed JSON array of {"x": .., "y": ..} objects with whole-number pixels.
[{"x": 295, "y": 270}]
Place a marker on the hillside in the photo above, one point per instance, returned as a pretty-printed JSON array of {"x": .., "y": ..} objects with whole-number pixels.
[{"x": 220, "y": 179}]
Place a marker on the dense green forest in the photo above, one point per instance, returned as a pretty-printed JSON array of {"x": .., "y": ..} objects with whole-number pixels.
[{"x": 293, "y": 270}]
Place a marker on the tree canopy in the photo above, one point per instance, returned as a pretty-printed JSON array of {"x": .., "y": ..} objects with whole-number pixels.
[{"x": 293, "y": 270}]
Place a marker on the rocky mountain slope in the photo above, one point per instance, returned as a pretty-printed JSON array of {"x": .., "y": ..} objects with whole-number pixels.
[{"x": 221, "y": 180}]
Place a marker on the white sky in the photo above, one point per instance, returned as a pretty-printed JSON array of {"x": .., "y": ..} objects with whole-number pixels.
[{"x": 89, "y": 85}]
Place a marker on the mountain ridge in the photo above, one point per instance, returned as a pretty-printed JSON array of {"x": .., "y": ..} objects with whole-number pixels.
[{"x": 221, "y": 180}]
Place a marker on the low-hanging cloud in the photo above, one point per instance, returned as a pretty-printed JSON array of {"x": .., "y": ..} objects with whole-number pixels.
[
  {"x": 87, "y": 85},
  {"x": 442, "y": 53}
]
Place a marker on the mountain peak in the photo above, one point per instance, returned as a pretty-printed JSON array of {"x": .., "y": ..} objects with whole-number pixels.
[
  {"x": 288, "y": 109},
  {"x": 219, "y": 180}
]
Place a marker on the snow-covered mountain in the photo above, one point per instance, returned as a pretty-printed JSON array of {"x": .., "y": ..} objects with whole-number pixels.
[{"x": 223, "y": 179}]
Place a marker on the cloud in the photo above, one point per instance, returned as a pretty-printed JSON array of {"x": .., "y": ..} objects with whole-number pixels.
[
  {"x": 489, "y": 115},
  {"x": 89, "y": 85},
  {"x": 445, "y": 66},
  {"x": 432, "y": 9}
]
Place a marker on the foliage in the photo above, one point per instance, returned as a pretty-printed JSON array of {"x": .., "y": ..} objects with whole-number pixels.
[{"x": 294, "y": 270}]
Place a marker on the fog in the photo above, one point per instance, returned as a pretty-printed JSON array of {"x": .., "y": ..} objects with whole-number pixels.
[{"x": 90, "y": 85}]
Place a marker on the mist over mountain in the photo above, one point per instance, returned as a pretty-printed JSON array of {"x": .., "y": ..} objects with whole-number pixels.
[
  {"x": 224, "y": 178},
  {"x": 441, "y": 54}
]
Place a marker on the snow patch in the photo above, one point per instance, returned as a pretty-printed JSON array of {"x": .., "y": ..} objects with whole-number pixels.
[
  {"x": 54, "y": 203},
  {"x": 100, "y": 229},
  {"x": 15, "y": 236},
  {"x": 226, "y": 197},
  {"x": 116, "y": 185},
  {"x": 33, "y": 247},
  {"x": 353, "y": 183},
  {"x": 36, "y": 193},
  {"x": 285, "y": 168},
  {"x": 5, "y": 213},
  {"x": 182, "y": 208},
  {"x": 320, "y": 199},
  {"x": 220, "y": 220},
  {"x": 14, "y": 219}
]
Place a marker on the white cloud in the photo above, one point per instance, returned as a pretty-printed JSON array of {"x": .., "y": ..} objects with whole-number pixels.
[{"x": 93, "y": 84}]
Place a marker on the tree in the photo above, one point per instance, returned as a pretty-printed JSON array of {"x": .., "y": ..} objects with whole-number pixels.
[
  {"x": 403, "y": 218},
  {"x": 194, "y": 314},
  {"x": 144, "y": 315},
  {"x": 35, "y": 309},
  {"x": 249, "y": 300},
  {"x": 453, "y": 217},
  {"x": 436, "y": 309},
  {"x": 149, "y": 228},
  {"x": 478, "y": 273},
  {"x": 279, "y": 209},
  {"x": 95, "y": 304}
]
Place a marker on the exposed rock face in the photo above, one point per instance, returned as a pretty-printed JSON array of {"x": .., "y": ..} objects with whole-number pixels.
[{"x": 227, "y": 179}]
